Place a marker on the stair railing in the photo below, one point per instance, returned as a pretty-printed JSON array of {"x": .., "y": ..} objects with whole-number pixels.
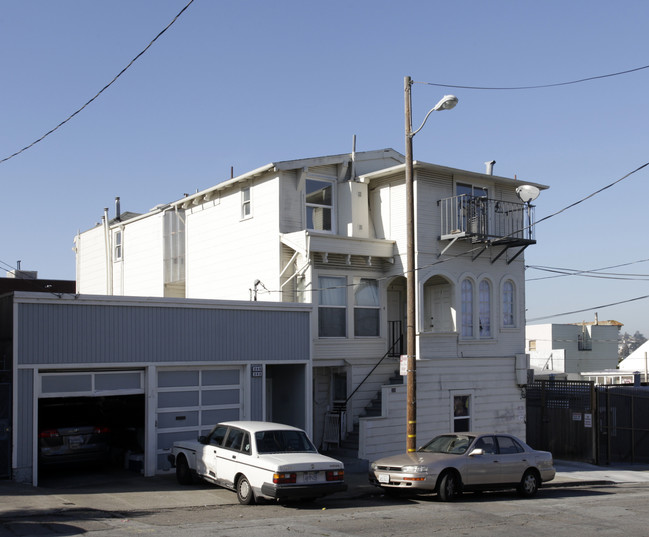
[{"x": 388, "y": 353}]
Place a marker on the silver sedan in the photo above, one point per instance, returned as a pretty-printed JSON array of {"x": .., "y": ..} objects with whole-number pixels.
[{"x": 456, "y": 462}]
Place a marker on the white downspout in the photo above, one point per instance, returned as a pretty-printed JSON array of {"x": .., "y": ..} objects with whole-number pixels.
[{"x": 109, "y": 254}]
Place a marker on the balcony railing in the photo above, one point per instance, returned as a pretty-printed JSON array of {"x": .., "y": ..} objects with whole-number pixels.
[{"x": 481, "y": 219}]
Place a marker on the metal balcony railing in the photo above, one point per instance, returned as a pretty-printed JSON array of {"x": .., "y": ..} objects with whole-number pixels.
[{"x": 481, "y": 219}]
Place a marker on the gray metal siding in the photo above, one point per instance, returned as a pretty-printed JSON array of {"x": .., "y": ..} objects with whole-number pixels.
[{"x": 76, "y": 333}]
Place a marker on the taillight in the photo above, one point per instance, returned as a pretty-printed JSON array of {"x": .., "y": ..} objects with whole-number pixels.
[
  {"x": 101, "y": 430},
  {"x": 48, "y": 433},
  {"x": 335, "y": 475},
  {"x": 281, "y": 479}
]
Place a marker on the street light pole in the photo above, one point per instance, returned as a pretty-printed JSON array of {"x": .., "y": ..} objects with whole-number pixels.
[
  {"x": 411, "y": 378},
  {"x": 446, "y": 103}
]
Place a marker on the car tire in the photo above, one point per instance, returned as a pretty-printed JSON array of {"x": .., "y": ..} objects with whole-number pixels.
[
  {"x": 184, "y": 474},
  {"x": 449, "y": 487},
  {"x": 529, "y": 485},
  {"x": 245, "y": 494}
]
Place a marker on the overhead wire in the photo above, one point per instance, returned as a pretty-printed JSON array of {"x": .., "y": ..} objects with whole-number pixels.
[
  {"x": 538, "y": 86},
  {"x": 71, "y": 116}
]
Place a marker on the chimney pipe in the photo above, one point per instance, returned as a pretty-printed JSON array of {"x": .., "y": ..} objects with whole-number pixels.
[
  {"x": 490, "y": 167},
  {"x": 118, "y": 212}
]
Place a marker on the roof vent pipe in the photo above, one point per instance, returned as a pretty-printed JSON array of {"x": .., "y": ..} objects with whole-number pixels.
[
  {"x": 490, "y": 167},
  {"x": 118, "y": 211}
]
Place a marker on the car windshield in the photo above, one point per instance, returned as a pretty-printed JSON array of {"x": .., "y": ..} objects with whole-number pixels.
[
  {"x": 282, "y": 441},
  {"x": 456, "y": 444}
]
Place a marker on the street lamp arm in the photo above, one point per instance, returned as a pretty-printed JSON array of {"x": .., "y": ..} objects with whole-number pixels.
[{"x": 446, "y": 103}]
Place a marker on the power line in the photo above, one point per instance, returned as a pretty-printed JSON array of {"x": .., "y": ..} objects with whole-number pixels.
[
  {"x": 100, "y": 91},
  {"x": 589, "y": 309},
  {"x": 575, "y": 272},
  {"x": 540, "y": 86}
]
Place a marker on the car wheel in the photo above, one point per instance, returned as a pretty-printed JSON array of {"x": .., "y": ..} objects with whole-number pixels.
[
  {"x": 449, "y": 487},
  {"x": 529, "y": 484},
  {"x": 244, "y": 491},
  {"x": 183, "y": 472}
]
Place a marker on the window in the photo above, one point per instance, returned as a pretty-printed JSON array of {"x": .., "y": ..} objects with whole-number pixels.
[
  {"x": 366, "y": 308},
  {"x": 509, "y": 320},
  {"x": 532, "y": 345},
  {"x": 174, "y": 246},
  {"x": 472, "y": 208},
  {"x": 319, "y": 204},
  {"x": 508, "y": 446},
  {"x": 118, "y": 250},
  {"x": 246, "y": 207},
  {"x": 467, "y": 308},
  {"x": 332, "y": 309},
  {"x": 461, "y": 413},
  {"x": 485, "y": 309}
]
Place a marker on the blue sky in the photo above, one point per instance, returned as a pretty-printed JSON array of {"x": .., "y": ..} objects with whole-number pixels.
[{"x": 241, "y": 84}]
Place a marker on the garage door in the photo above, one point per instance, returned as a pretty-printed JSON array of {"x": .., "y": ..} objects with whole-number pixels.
[
  {"x": 192, "y": 401},
  {"x": 91, "y": 383}
]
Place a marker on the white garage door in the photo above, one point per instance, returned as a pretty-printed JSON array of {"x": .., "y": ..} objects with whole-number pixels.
[
  {"x": 192, "y": 401},
  {"x": 90, "y": 383}
]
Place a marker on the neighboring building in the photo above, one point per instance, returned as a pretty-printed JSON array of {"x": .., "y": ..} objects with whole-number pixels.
[
  {"x": 568, "y": 351},
  {"x": 638, "y": 361},
  {"x": 159, "y": 369},
  {"x": 331, "y": 231}
]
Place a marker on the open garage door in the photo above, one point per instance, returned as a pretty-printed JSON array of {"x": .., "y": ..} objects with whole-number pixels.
[{"x": 90, "y": 421}]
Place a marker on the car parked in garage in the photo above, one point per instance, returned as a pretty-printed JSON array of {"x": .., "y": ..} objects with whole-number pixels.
[
  {"x": 72, "y": 433},
  {"x": 259, "y": 460},
  {"x": 455, "y": 462}
]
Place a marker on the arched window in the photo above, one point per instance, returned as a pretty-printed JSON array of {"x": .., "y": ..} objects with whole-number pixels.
[
  {"x": 485, "y": 309},
  {"x": 467, "y": 308},
  {"x": 509, "y": 299}
]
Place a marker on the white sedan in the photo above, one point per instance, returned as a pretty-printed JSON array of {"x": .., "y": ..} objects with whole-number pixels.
[
  {"x": 259, "y": 460},
  {"x": 455, "y": 462}
]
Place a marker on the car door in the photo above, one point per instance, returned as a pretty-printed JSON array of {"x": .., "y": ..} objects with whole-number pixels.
[
  {"x": 211, "y": 449},
  {"x": 513, "y": 459},
  {"x": 235, "y": 455},
  {"x": 483, "y": 469}
]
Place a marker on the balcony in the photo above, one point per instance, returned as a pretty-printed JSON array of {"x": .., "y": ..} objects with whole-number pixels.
[{"x": 481, "y": 220}]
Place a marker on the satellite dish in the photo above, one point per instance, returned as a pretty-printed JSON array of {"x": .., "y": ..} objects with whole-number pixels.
[{"x": 527, "y": 193}]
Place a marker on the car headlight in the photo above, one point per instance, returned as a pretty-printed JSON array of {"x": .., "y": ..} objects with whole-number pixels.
[{"x": 414, "y": 469}]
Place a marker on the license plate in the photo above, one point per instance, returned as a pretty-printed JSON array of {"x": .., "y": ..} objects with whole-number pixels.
[
  {"x": 310, "y": 477},
  {"x": 384, "y": 478},
  {"x": 74, "y": 442}
]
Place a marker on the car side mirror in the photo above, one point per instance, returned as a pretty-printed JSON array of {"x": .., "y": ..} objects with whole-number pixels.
[
  {"x": 476, "y": 451},
  {"x": 203, "y": 440}
]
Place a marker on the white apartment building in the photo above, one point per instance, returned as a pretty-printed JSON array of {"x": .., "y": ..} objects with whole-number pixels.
[{"x": 331, "y": 231}]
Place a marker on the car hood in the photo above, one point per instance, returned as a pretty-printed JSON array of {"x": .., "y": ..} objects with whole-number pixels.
[
  {"x": 287, "y": 462},
  {"x": 417, "y": 458}
]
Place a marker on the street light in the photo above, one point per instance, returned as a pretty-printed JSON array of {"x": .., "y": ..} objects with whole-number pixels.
[{"x": 446, "y": 103}]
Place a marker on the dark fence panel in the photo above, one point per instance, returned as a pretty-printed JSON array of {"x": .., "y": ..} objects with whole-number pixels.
[
  {"x": 560, "y": 418},
  {"x": 623, "y": 424}
]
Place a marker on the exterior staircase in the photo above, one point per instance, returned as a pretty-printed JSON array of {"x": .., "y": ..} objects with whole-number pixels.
[{"x": 348, "y": 449}]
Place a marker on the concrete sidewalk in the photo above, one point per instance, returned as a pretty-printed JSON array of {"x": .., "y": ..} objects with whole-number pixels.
[{"x": 123, "y": 492}]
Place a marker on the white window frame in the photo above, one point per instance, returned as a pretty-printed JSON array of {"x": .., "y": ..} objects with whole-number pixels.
[
  {"x": 311, "y": 205},
  {"x": 485, "y": 309},
  {"x": 510, "y": 305},
  {"x": 374, "y": 307},
  {"x": 452, "y": 417},
  {"x": 467, "y": 331},
  {"x": 118, "y": 245},
  {"x": 246, "y": 202},
  {"x": 344, "y": 288}
]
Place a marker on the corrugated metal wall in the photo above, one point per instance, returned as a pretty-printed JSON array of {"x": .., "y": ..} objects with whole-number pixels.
[{"x": 73, "y": 333}]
